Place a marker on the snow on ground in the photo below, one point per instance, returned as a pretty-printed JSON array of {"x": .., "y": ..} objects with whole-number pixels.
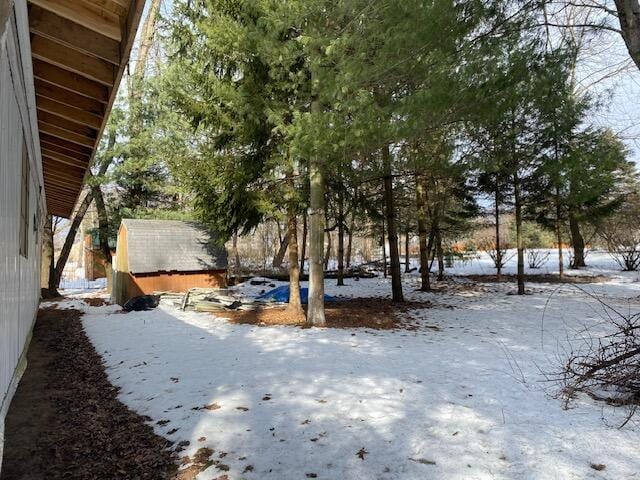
[{"x": 467, "y": 400}]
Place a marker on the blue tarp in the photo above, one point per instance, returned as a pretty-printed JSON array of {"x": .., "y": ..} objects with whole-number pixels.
[{"x": 281, "y": 294}]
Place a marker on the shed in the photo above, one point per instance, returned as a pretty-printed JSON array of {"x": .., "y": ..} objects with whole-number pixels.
[{"x": 166, "y": 255}]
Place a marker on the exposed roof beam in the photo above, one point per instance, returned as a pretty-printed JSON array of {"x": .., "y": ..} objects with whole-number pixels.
[
  {"x": 66, "y": 135},
  {"x": 119, "y": 7},
  {"x": 58, "y": 206},
  {"x": 91, "y": 16},
  {"x": 61, "y": 157},
  {"x": 59, "y": 213},
  {"x": 70, "y": 81},
  {"x": 72, "y": 60},
  {"x": 74, "y": 169},
  {"x": 61, "y": 122},
  {"x": 64, "y": 189},
  {"x": 75, "y": 176},
  {"x": 73, "y": 35},
  {"x": 72, "y": 114},
  {"x": 68, "y": 148},
  {"x": 60, "y": 180},
  {"x": 67, "y": 97}
]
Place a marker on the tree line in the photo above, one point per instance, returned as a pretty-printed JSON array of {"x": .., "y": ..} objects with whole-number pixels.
[{"x": 411, "y": 115}]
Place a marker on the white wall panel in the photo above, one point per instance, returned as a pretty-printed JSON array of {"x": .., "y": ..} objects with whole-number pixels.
[{"x": 19, "y": 276}]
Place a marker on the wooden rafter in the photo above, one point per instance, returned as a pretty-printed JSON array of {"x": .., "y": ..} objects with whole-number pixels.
[
  {"x": 61, "y": 122},
  {"x": 53, "y": 155},
  {"x": 72, "y": 114},
  {"x": 71, "y": 149},
  {"x": 67, "y": 97},
  {"x": 80, "y": 49},
  {"x": 70, "y": 81},
  {"x": 54, "y": 53},
  {"x": 64, "y": 178},
  {"x": 66, "y": 135},
  {"x": 84, "y": 13},
  {"x": 75, "y": 168},
  {"x": 73, "y": 35}
]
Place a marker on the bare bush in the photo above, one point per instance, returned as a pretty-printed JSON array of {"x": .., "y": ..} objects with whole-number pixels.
[
  {"x": 621, "y": 232},
  {"x": 537, "y": 258},
  {"x": 501, "y": 256},
  {"x": 607, "y": 368}
]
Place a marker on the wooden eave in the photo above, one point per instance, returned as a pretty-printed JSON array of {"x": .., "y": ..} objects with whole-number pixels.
[{"x": 80, "y": 49}]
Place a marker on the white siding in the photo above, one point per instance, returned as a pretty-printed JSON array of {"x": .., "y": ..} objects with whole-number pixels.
[{"x": 19, "y": 276}]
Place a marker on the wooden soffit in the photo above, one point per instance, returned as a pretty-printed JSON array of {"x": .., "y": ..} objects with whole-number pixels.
[{"x": 80, "y": 49}]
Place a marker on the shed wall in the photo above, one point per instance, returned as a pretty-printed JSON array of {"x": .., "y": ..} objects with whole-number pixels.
[
  {"x": 127, "y": 285},
  {"x": 19, "y": 275},
  {"x": 177, "y": 281}
]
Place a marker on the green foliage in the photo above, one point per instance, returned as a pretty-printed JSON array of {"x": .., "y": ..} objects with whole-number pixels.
[
  {"x": 533, "y": 235},
  {"x": 464, "y": 94}
]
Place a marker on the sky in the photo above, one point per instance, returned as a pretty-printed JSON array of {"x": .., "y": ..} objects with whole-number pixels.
[{"x": 617, "y": 85}]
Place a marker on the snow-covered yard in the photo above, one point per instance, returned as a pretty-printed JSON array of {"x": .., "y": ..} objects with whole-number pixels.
[{"x": 462, "y": 397}]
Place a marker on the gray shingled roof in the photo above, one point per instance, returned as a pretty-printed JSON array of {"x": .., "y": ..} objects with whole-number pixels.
[{"x": 172, "y": 246}]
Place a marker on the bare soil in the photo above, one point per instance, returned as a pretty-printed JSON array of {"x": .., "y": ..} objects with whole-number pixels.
[
  {"x": 372, "y": 313},
  {"x": 65, "y": 420}
]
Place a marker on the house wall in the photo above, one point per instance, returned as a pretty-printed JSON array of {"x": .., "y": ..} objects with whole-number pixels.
[{"x": 19, "y": 275}]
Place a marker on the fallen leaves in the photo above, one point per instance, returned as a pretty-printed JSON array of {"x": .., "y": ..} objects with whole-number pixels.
[
  {"x": 361, "y": 453},
  {"x": 89, "y": 433}
]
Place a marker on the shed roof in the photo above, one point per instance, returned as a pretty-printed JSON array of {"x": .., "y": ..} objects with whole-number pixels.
[{"x": 172, "y": 246}]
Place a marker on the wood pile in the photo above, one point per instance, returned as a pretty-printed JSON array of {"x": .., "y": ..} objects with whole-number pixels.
[{"x": 213, "y": 300}]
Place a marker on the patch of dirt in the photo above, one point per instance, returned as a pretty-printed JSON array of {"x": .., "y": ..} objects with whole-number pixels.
[
  {"x": 541, "y": 278},
  {"x": 372, "y": 313},
  {"x": 95, "y": 301},
  {"x": 200, "y": 462},
  {"x": 65, "y": 420}
]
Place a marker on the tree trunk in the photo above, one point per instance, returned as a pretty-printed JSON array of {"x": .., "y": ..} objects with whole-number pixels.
[
  {"x": 407, "y": 267},
  {"x": 440, "y": 255},
  {"x": 422, "y": 236},
  {"x": 279, "y": 256},
  {"x": 327, "y": 252},
  {"x": 431, "y": 252},
  {"x": 350, "y": 240},
  {"x": 304, "y": 242},
  {"x": 236, "y": 255},
  {"x": 71, "y": 236},
  {"x": 384, "y": 251},
  {"x": 47, "y": 252},
  {"x": 629, "y": 17},
  {"x": 340, "y": 281},
  {"x": 392, "y": 228},
  {"x": 577, "y": 242},
  {"x": 315, "y": 309},
  {"x": 47, "y": 270},
  {"x": 518, "y": 205},
  {"x": 559, "y": 234},
  {"x": 295, "y": 305},
  {"x": 146, "y": 39},
  {"x": 498, "y": 246},
  {"x": 103, "y": 229}
]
